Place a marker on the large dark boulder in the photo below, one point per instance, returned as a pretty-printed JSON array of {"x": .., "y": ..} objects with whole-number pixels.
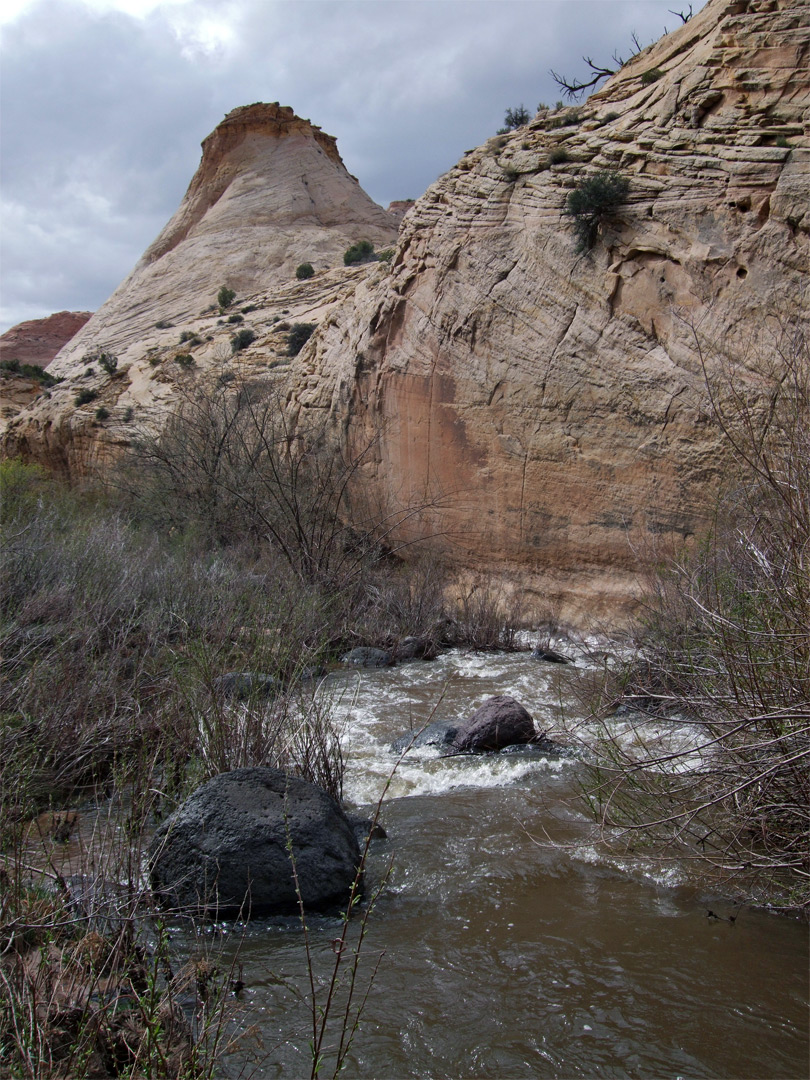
[
  {"x": 224, "y": 851},
  {"x": 500, "y": 721}
]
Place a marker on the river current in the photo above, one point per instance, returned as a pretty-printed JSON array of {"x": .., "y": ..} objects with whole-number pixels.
[{"x": 506, "y": 941}]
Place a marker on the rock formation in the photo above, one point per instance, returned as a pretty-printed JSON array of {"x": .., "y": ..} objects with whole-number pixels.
[
  {"x": 555, "y": 399},
  {"x": 225, "y": 850},
  {"x": 37, "y": 341},
  {"x": 271, "y": 192}
]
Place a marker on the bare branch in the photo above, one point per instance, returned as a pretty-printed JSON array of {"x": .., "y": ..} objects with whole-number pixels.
[
  {"x": 574, "y": 87},
  {"x": 683, "y": 17}
]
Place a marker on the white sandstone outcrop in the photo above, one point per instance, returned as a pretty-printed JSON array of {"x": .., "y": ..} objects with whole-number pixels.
[{"x": 555, "y": 399}]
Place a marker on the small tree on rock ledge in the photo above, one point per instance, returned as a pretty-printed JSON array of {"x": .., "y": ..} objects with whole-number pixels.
[{"x": 595, "y": 200}]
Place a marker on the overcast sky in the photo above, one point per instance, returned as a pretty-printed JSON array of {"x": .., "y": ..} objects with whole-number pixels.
[{"x": 105, "y": 103}]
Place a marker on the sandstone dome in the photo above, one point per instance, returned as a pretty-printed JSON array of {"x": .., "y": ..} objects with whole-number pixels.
[{"x": 270, "y": 193}]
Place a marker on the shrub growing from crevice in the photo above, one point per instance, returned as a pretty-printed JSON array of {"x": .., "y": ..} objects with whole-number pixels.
[
  {"x": 242, "y": 339},
  {"x": 85, "y": 396},
  {"x": 297, "y": 337},
  {"x": 593, "y": 202},
  {"x": 225, "y": 297},
  {"x": 305, "y": 271},
  {"x": 105, "y": 358},
  {"x": 515, "y": 118},
  {"x": 361, "y": 252}
]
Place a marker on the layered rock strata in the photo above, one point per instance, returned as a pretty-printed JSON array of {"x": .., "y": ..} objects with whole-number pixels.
[
  {"x": 37, "y": 341},
  {"x": 556, "y": 399}
]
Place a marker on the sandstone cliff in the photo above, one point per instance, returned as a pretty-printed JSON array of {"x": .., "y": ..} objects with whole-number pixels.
[
  {"x": 557, "y": 398},
  {"x": 271, "y": 192}
]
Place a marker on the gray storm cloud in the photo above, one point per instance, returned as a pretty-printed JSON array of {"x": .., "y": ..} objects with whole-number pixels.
[{"x": 103, "y": 113}]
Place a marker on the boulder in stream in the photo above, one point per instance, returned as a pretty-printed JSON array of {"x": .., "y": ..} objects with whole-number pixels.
[
  {"x": 500, "y": 721},
  {"x": 435, "y": 734},
  {"x": 415, "y": 648},
  {"x": 549, "y": 656},
  {"x": 223, "y": 853}
]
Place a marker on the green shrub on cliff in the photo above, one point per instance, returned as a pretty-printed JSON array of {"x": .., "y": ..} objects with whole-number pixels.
[
  {"x": 84, "y": 397},
  {"x": 361, "y": 252},
  {"x": 242, "y": 339},
  {"x": 299, "y": 335},
  {"x": 593, "y": 202},
  {"x": 515, "y": 118},
  {"x": 225, "y": 297}
]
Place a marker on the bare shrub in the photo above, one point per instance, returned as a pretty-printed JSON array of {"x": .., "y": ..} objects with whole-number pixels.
[
  {"x": 486, "y": 616},
  {"x": 725, "y": 649},
  {"x": 232, "y": 464}
]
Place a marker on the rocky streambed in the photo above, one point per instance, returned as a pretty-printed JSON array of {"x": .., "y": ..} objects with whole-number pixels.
[{"x": 513, "y": 944}]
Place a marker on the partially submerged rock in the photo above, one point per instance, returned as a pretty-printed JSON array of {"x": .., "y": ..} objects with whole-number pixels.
[
  {"x": 550, "y": 656},
  {"x": 366, "y": 828},
  {"x": 366, "y": 656},
  {"x": 501, "y": 721},
  {"x": 224, "y": 852},
  {"x": 436, "y": 734}
]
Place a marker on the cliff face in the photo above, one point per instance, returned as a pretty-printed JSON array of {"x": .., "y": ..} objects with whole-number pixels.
[{"x": 557, "y": 399}]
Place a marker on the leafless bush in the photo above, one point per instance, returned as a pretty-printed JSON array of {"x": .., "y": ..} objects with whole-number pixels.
[
  {"x": 725, "y": 648},
  {"x": 231, "y": 464},
  {"x": 487, "y": 616}
]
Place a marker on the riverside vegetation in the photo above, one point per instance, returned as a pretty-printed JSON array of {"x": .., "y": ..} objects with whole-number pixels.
[
  {"x": 226, "y": 544},
  {"x": 232, "y": 542},
  {"x": 723, "y": 648}
]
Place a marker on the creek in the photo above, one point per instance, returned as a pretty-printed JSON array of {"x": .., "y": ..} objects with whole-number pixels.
[{"x": 514, "y": 946}]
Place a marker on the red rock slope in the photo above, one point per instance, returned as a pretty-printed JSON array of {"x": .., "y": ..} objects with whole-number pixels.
[{"x": 37, "y": 341}]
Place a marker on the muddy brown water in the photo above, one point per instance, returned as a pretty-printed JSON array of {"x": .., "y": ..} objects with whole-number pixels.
[{"x": 511, "y": 944}]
